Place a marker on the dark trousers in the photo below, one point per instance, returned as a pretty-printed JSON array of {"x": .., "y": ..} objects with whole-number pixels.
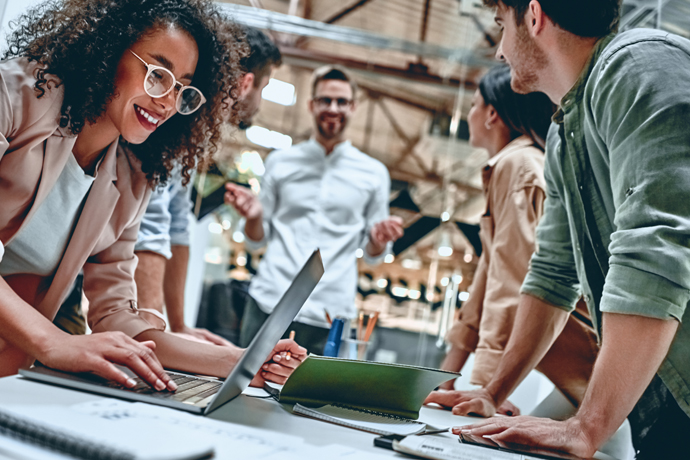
[
  {"x": 660, "y": 428},
  {"x": 310, "y": 337}
]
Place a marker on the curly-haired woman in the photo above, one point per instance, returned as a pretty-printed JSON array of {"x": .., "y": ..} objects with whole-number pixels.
[{"x": 99, "y": 100}]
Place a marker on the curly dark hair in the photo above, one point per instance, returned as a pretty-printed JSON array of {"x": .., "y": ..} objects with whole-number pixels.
[{"x": 81, "y": 42}]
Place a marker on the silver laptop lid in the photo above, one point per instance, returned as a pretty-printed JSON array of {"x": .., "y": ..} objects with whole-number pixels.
[{"x": 270, "y": 333}]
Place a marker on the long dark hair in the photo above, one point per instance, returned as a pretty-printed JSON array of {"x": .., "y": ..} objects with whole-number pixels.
[
  {"x": 81, "y": 42},
  {"x": 528, "y": 114}
]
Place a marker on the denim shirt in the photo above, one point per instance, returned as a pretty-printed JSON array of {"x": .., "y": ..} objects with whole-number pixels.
[
  {"x": 616, "y": 223},
  {"x": 166, "y": 221}
]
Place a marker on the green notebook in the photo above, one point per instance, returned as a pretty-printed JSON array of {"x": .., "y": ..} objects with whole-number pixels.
[{"x": 396, "y": 389}]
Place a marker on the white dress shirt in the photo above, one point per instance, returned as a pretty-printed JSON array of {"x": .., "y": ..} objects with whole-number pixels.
[{"x": 312, "y": 200}]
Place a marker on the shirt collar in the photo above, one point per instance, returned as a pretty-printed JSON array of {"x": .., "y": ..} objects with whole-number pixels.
[
  {"x": 341, "y": 147},
  {"x": 518, "y": 143},
  {"x": 576, "y": 93}
]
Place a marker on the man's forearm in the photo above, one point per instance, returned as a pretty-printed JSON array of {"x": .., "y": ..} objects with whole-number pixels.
[
  {"x": 455, "y": 359},
  {"x": 254, "y": 228},
  {"x": 149, "y": 279},
  {"x": 537, "y": 325},
  {"x": 633, "y": 348},
  {"x": 375, "y": 250},
  {"x": 174, "y": 286}
]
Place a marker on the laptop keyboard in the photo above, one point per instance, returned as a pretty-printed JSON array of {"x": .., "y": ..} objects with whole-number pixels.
[{"x": 190, "y": 390}]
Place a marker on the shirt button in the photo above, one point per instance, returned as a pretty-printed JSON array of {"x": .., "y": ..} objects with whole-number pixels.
[
  {"x": 587, "y": 299},
  {"x": 572, "y": 134}
]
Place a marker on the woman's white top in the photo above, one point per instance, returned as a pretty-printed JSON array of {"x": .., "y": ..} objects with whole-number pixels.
[{"x": 39, "y": 246}]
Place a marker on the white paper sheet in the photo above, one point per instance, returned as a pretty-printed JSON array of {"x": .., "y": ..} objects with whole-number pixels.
[
  {"x": 231, "y": 440},
  {"x": 144, "y": 440},
  {"x": 442, "y": 448}
]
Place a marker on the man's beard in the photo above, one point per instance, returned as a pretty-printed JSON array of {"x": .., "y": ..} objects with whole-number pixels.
[
  {"x": 246, "y": 115},
  {"x": 529, "y": 60},
  {"x": 328, "y": 134}
]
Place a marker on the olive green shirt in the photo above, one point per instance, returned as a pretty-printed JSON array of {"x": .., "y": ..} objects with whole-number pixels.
[{"x": 616, "y": 223}]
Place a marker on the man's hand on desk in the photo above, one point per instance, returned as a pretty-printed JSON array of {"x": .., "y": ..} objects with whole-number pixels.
[
  {"x": 284, "y": 359},
  {"x": 97, "y": 352},
  {"x": 476, "y": 402},
  {"x": 201, "y": 335},
  {"x": 568, "y": 436}
]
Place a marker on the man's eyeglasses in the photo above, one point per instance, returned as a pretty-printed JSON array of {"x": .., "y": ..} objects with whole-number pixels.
[
  {"x": 325, "y": 102},
  {"x": 159, "y": 81}
]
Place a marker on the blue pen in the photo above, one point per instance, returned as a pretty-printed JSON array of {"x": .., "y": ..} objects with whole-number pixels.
[{"x": 333, "y": 343}]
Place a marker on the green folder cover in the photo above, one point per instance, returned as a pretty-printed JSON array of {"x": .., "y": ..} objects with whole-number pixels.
[{"x": 395, "y": 389}]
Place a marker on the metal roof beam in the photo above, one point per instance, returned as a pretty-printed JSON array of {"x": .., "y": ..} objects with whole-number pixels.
[
  {"x": 295, "y": 55},
  {"x": 278, "y": 22},
  {"x": 341, "y": 14}
]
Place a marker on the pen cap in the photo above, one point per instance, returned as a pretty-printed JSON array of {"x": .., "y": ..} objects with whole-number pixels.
[{"x": 334, "y": 335}]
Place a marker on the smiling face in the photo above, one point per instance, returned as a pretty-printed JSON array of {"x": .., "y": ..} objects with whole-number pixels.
[
  {"x": 332, "y": 120},
  {"x": 519, "y": 51},
  {"x": 132, "y": 112}
]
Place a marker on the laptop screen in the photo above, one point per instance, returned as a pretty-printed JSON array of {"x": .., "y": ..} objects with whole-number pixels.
[{"x": 270, "y": 333}]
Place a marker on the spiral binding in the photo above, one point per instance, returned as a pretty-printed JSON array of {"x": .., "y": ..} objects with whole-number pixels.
[
  {"x": 43, "y": 436},
  {"x": 373, "y": 412}
]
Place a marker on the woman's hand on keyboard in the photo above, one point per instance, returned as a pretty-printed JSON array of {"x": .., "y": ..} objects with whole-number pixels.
[
  {"x": 284, "y": 359},
  {"x": 97, "y": 352}
]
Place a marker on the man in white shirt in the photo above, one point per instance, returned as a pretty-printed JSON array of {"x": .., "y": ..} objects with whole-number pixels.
[{"x": 322, "y": 193}]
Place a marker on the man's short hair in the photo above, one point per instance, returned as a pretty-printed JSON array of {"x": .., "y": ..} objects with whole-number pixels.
[
  {"x": 263, "y": 54},
  {"x": 586, "y": 18},
  {"x": 331, "y": 72}
]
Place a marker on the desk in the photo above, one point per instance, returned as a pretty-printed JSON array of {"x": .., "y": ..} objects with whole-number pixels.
[
  {"x": 259, "y": 413},
  {"x": 264, "y": 414}
]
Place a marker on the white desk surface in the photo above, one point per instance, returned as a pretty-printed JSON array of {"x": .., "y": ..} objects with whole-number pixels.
[{"x": 258, "y": 413}]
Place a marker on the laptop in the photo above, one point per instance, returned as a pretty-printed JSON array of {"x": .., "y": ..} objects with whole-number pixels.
[{"x": 202, "y": 395}]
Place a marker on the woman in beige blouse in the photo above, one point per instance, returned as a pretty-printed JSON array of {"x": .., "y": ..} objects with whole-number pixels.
[
  {"x": 99, "y": 100},
  {"x": 512, "y": 128}
]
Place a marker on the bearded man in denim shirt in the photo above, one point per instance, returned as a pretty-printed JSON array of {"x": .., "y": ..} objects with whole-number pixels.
[{"x": 616, "y": 225}]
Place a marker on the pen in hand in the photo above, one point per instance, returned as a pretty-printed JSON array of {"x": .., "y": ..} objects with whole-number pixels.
[{"x": 288, "y": 355}]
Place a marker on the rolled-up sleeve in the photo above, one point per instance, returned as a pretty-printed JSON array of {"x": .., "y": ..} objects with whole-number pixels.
[
  {"x": 376, "y": 211},
  {"x": 649, "y": 154},
  {"x": 109, "y": 286},
  {"x": 180, "y": 208},
  {"x": 515, "y": 220},
  {"x": 155, "y": 231},
  {"x": 465, "y": 331},
  {"x": 552, "y": 276}
]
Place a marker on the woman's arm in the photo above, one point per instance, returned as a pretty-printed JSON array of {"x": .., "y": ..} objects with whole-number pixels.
[
  {"x": 208, "y": 359},
  {"x": 26, "y": 329}
]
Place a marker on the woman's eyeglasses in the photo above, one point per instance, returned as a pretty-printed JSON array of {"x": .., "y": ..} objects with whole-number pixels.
[
  {"x": 325, "y": 102},
  {"x": 159, "y": 81}
]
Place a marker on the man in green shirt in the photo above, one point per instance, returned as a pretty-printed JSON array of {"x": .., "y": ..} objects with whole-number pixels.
[{"x": 616, "y": 226}]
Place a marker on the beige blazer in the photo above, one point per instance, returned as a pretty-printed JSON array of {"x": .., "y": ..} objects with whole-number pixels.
[
  {"x": 514, "y": 188},
  {"x": 33, "y": 151}
]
